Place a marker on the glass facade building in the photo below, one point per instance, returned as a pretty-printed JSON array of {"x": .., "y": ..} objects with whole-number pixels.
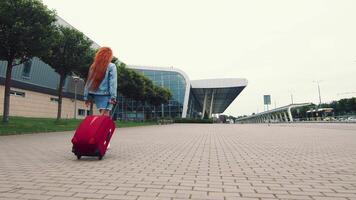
[{"x": 194, "y": 108}]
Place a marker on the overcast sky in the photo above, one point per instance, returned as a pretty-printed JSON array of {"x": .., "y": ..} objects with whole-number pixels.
[{"x": 279, "y": 46}]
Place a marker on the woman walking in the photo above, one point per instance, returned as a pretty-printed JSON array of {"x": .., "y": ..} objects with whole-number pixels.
[{"x": 101, "y": 82}]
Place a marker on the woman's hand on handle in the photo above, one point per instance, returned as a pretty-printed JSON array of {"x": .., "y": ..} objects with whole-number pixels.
[{"x": 112, "y": 101}]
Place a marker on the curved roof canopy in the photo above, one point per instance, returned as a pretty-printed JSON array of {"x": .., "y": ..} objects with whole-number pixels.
[{"x": 219, "y": 93}]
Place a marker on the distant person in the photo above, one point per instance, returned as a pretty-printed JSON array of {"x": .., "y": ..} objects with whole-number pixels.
[{"x": 101, "y": 82}]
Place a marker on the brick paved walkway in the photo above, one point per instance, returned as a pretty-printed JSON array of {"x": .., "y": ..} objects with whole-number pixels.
[{"x": 187, "y": 162}]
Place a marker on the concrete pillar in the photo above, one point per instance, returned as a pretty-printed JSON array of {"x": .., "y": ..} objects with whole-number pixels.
[
  {"x": 280, "y": 117},
  {"x": 204, "y": 104},
  {"x": 211, "y": 103},
  {"x": 290, "y": 114},
  {"x": 162, "y": 109},
  {"x": 285, "y": 117}
]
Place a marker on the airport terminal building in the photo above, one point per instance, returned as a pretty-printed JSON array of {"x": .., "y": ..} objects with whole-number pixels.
[{"x": 190, "y": 99}]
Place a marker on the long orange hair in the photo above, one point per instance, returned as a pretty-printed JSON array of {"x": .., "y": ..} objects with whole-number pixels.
[{"x": 97, "y": 70}]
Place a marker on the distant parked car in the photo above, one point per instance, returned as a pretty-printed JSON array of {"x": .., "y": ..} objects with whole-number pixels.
[
  {"x": 351, "y": 119},
  {"x": 329, "y": 119},
  {"x": 340, "y": 119}
]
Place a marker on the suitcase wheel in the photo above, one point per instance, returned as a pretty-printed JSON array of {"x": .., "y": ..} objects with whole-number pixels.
[
  {"x": 73, "y": 150},
  {"x": 100, "y": 157},
  {"x": 79, "y": 156}
]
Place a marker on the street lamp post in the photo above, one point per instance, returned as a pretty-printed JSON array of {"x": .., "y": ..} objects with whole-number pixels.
[
  {"x": 318, "y": 81},
  {"x": 291, "y": 96},
  {"x": 319, "y": 97},
  {"x": 76, "y": 79},
  {"x": 319, "y": 93}
]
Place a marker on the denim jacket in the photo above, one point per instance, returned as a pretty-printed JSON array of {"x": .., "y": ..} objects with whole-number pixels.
[{"x": 108, "y": 85}]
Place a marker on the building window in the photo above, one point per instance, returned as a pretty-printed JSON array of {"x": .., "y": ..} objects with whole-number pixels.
[
  {"x": 27, "y": 69},
  {"x": 54, "y": 99},
  {"x": 81, "y": 112},
  {"x": 17, "y": 93},
  {"x": 88, "y": 112}
]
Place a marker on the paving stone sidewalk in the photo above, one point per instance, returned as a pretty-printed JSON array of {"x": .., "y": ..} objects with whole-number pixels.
[{"x": 182, "y": 161}]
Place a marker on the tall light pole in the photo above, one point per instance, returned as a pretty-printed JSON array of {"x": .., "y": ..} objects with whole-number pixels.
[
  {"x": 76, "y": 79},
  {"x": 291, "y": 96},
  {"x": 318, "y": 81}
]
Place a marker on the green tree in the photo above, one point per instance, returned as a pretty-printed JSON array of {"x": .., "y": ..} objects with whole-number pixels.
[
  {"x": 165, "y": 94},
  {"x": 88, "y": 58},
  {"x": 149, "y": 92},
  {"x": 25, "y": 29},
  {"x": 344, "y": 106},
  {"x": 70, "y": 50},
  {"x": 130, "y": 83},
  {"x": 159, "y": 96},
  {"x": 340, "y": 107},
  {"x": 116, "y": 61}
]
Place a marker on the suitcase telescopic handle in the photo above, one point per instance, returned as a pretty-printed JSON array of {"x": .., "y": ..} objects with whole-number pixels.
[{"x": 116, "y": 105}]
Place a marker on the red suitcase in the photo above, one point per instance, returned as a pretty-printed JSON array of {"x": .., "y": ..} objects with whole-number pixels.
[{"x": 93, "y": 135}]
